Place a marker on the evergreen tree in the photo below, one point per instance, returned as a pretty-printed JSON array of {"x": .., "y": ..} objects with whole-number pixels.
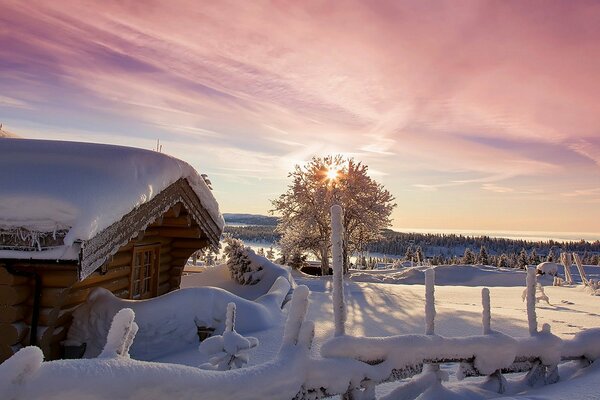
[
  {"x": 419, "y": 257},
  {"x": 522, "y": 260},
  {"x": 550, "y": 257},
  {"x": 209, "y": 258},
  {"x": 483, "y": 257},
  {"x": 410, "y": 254},
  {"x": 297, "y": 260},
  {"x": 468, "y": 257},
  {"x": 261, "y": 252},
  {"x": 242, "y": 269},
  {"x": 502, "y": 261},
  {"x": 270, "y": 253},
  {"x": 534, "y": 258},
  {"x": 586, "y": 257}
]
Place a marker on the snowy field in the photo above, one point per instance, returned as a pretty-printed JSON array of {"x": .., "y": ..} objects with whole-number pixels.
[
  {"x": 379, "y": 303},
  {"x": 383, "y": 309}
]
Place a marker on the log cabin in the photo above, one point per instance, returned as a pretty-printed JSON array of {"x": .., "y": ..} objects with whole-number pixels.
[{"x": 75, "y": 216}]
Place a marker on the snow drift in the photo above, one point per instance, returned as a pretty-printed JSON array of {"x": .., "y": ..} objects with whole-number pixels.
[
  {"x": 116, "y": 376},
  {"x": 220, "y": 276},
  {"x": 170, "y": 322}
]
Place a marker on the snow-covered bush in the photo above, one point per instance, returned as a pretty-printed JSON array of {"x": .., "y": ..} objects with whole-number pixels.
[
  {"x": 540, "y": 294},
  {"x": 230, "y": 350},
  {"x": 549, "y": 268},
  {"x": 243, "y": 270}
]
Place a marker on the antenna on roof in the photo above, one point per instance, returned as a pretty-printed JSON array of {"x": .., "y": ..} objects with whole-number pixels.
[{"x": 158, "y": 146}]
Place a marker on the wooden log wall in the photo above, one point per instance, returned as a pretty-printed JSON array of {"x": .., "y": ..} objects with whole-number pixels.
[
  {"x": 14, "y": 291},
  {"x": 61, "y": 291}
]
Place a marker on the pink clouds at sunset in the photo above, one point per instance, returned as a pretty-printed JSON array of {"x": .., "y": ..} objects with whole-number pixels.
[{"x": 475, "y": 114}]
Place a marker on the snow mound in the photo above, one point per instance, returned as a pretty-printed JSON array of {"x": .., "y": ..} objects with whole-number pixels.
[
  {"x": 453, "y": 275},
  {"x": 83, "y": 187},
  {"x": 25, "y": 376},
  {"x": 548, "y": 268},
  {"x": 220, "y": 276},
  {"x": 170, "y": 322}
]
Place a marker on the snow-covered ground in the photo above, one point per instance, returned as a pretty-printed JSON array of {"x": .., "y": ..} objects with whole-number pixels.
[{"x": 386, "y": 307}]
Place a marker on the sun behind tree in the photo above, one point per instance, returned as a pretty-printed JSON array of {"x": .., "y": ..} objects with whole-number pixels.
[
  {"x": 304, "y": 208},
  {"x": 332, "y": 174}
]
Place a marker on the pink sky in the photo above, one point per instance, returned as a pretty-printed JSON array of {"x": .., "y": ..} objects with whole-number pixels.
[{"x": 474, "y": 114}]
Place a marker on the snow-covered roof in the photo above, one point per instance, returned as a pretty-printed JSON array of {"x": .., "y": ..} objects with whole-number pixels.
[{"x": 76, "y": 190}]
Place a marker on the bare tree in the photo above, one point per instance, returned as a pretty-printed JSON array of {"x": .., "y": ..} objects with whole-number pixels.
[{"x": 322, "y": 182}]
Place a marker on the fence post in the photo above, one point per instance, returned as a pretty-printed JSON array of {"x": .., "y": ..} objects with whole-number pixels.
[
  {"x": 579, "y": 265},
  {"x": 566, "y": 260},
  {"x": 430, "y": 301},
  {"x": 531, "y": 316},
  {"x": 339, "y": 307},
  {"x": 486, "y": 317}
]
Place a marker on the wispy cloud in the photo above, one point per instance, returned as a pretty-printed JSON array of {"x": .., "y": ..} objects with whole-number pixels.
[
  {"x": 496, "y": 188},
  {"x": 6, "y": 101},
  {"x": 582, "y": 193},
  {"x": 499, "y": 91}
]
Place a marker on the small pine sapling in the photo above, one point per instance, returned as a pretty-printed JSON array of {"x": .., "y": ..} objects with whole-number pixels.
[
  {"x": 230, "y": 350},
  {"x": 242, "y": 269}
]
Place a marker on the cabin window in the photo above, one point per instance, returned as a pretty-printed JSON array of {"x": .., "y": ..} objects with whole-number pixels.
[{"x": 144, "y": 272}]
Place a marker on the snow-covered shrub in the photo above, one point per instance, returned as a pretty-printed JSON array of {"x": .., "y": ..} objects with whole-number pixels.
[
  {"x": 558, "y": 281},
  {"x": 230, "y": 350},
  {"x": 540, "y": 294},
  {"x": 549, "y": 268},
  {"x": 243, "y": 270}
]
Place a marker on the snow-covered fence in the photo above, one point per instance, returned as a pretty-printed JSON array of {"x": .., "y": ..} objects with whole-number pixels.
[
  {"x": 357, "y": 364},
  {"x": 579, "y": 265},
  {"x": 567, "y": 261}
]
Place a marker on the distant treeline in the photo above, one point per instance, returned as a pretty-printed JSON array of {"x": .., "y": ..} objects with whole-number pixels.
[
  {"x": 454, "y": 245},
  {"x": 250, "y": 219},
  {"x": 446, "y": 248},
  {"x": 253, "y": 233}
]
